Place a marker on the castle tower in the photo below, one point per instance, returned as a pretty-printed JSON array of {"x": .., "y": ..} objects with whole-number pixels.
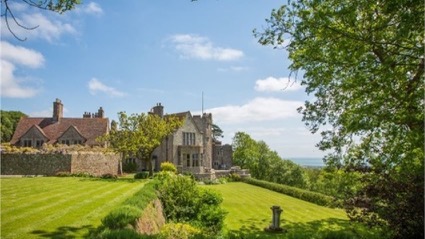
[
  {"x": 158, "y": 110},
  {"x": 208, "y": 140},
  {"x": 57, "y": 110}
]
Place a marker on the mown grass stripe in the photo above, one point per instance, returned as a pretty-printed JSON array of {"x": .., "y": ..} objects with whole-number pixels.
[
  {"x": 31, "y": 201},
  {"x": 23, "y": 213},
  {"x": 57, "y": 217}
]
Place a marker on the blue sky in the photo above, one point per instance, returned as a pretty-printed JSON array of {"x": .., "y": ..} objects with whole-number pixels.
[{"x": 130, "y": 55}]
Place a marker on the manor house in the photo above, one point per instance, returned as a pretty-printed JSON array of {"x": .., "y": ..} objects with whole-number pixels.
[
  {"x": 36, "y": 131},
  {"x": 192, "y": 147}
]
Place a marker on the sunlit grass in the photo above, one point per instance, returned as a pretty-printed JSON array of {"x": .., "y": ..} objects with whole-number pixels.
[
  {"x": 51, "y": 207},
  {"x": 249, "y": 213}
]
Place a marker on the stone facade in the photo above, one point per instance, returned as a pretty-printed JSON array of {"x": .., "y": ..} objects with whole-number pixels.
[
  {"x": 191, "y": 147},
  {"x": 222, "y": 155},
  {"x": 51, "y": 164}
]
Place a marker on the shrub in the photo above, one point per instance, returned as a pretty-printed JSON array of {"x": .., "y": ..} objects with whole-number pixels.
[
  {"x": 338, "y": 235},
  {"x": 120, "y": 234},
  {"x": 108, "y": 176},
  {"x": 183, "y": 201},
  {"x": 63, "y": 174},
  {"x": 314, "y": 197},
  {"x": 168, "y": 167},
  {"x": 129, "y": 167},
  {"x": 141, "y": 175},
  {"x": 122, "y": 217},
  {"x": 178, "y": 231},
  {"x": 234, "y": 177}
]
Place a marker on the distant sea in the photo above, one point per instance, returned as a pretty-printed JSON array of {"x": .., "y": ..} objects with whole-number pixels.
[{"x": 309, "y": 162}]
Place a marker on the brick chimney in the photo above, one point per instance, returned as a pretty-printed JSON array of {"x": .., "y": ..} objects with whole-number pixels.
[
  {"x": 57, "y": 110},
  {"x": 100, "y": 113}
]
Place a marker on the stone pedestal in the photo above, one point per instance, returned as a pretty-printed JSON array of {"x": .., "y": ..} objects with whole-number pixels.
[{"x": 275, "y": 226}]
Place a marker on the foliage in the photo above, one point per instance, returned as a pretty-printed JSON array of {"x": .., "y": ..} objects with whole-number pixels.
[
  {"x": 178, "y": 231},
  {"x": 51, "y": 149},
  {"x": 314, "y": 197},
  {"x": 141, "y": 175},
  {"x": 265, "y": 164},
  {"x": 168, "y": 167},
  {"x": 364, "y": 63},
  {"x": 77, "y": 174},
  {"x": 8, "y": 123},
  {"x": 234, "y": 177},
  {"x": 138, "y": 135},
  {"x": 121, "y": 217},
  {"x": 217, "y": 132},
  {"x": 184, "y": 202},
  {"x": 129, "y": 167},
  {"x": 108, "y": 176},
  {"x": 130, "y": 210},
  {"x": 125, "y": 233}
]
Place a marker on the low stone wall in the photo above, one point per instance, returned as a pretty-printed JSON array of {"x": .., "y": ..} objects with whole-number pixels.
[
  {"x": 95, "y": 163},
  {"x": 34, "y": 164},
  {"x": 51, "y": 164}
]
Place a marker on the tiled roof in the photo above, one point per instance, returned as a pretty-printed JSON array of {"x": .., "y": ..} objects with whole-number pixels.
[{"x": 89, "y": 128}]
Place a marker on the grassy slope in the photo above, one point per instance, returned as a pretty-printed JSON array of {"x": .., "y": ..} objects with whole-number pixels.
[
  {"x": 53, "y": 207},
  {"x": 249, "y": 213}
]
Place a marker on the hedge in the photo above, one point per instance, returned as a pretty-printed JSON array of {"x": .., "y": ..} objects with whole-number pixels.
[
  {"x": 131, "y": 209},
  {"x": 313, "y": 197}
]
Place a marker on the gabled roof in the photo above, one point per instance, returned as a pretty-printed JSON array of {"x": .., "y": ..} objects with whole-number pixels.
[
  {"x": 89, "y": 128},
  {"x": 184, "y": 115},
  {"x": 72, "y": 127}
]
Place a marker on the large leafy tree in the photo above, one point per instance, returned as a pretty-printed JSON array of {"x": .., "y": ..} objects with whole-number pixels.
[
  {"x": 364, "y": 62},
  {"x": 9, "y": 120},
  {"x": 138, "y": 135},
  {"x": 265, "y": 164}
]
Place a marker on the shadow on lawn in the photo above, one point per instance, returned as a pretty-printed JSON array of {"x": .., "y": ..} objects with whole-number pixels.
[
  {"x": 327, "y": 228},
  {"x": 65, "y": 232}
]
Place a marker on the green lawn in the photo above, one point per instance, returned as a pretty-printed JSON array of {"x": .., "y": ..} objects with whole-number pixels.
[
  {"x": 53, "y": 207},
  {"x": 249, "y": 213}
]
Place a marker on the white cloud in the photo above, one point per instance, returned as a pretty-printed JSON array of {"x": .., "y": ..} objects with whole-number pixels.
[
  {"x": 258, "y": 109},
  {"x": 11, "y": 86},
  {"x": 92, "y": 8},
  {"x": 21, "y": 55},
  {"x": 96, "y": 86},
  {"x": 271, "y": 84},
  {"x": 45, "y": 28},
  {"x": 197, "y": 47},
  {"x": 11, "y": 57}
]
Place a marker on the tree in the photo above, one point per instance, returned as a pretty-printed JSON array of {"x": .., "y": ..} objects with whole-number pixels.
[
  {"x": 364, "y": 62},
  {"x": 9, "y": 121},
  {"x": 59, "y": 6},
  {"x": 216, "y": 132},
  {"x": 139, "y": 135},
  {"x": 265, "y": 164}
]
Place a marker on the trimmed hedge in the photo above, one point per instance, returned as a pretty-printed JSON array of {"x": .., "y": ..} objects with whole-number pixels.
[
  {"x": 130, "y": 210},
  {"x": 313, "y": 197}
]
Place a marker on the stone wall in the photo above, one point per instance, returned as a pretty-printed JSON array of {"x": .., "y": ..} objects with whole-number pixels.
[
  {"x": 95, "y": 163},
  {"x": 51, "y": 164}
]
